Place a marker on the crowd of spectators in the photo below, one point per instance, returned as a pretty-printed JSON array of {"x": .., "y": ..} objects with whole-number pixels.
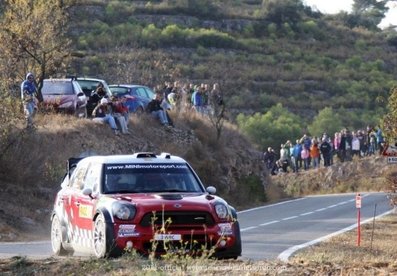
[
  {"x": 308, "y": 152},
  {"x": 170, "y": 96}
]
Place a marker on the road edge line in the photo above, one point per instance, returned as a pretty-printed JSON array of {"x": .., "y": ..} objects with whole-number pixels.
[{"x": 284, "y": 256}]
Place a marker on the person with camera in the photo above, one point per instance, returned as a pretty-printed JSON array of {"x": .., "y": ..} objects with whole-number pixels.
[{"x": 103, "y": 114}]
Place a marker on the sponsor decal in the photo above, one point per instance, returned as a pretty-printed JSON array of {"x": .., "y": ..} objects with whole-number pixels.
[
  {"x": 85, "y": 211},
  {"x": 225, "y": 229},
  {"x": 127, "y": 230},
  {"x": 146, "y": 166}
]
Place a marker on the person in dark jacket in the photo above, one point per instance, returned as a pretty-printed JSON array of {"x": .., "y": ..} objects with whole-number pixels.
[
  {"x": 155, "y": 109},
  {"x": 95, "y": 98},
  {"x": 269, "y": 157},
  {"x": 326, "y": 151}
]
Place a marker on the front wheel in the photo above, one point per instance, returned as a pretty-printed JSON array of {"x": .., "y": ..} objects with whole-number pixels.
[
  {"x": 56, "y": 238},
  {"x": 100, "y": 248}
]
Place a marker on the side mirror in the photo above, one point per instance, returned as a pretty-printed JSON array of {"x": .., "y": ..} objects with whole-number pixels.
[
  {"x": 87, "y": 192},
  {"x": 211, "y": 190}
]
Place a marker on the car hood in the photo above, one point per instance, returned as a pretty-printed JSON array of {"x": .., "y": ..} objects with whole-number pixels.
[{"x": 171, "y": 201}]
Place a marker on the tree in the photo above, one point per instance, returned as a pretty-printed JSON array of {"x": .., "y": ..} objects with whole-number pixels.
[
  {"x": 272, "y": 128},
  {"x": 280, "y": 12},
  {"x": 368, "y": 13},
  {"x": 33, "y": 35},
  {"x": 390, "y": 119},
  {"x": 327, "y": 121}
]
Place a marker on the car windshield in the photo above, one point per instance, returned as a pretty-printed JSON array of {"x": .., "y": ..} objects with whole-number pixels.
[
  {"x": 57, "y": 88},
  {"x": 149, "y": 178}
]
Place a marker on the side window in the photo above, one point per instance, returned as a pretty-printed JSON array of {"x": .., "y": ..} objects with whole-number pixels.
[
  {"x": 141, "y": 92},
  {"x": 77, "y": 180},
  {"x": 92, "y": 177},
  {"x": 150, "y": 93}
]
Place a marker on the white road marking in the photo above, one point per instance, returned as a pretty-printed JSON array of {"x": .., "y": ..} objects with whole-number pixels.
[
  {"x": 248, "y": 228},
  {"x": 268, "y": 223},
  {"x": 290, "y": 218},
  {"x": 305, "y": 214},
  {"x": 271, "y": 205},
  {"x": 287, "y": 253}
]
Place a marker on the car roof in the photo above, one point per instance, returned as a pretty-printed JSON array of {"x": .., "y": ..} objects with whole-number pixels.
[
  {"x": 59, "y": 79},
  {"x": 127, "y": 85},
  {"x": 140, "y": 157},
  {"x": 90, "y": 79}
]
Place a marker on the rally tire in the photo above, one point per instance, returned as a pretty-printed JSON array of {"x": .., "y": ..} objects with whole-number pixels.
[
  {"x": 56, "y": 238},
  {"x": 100, "y": 237}
]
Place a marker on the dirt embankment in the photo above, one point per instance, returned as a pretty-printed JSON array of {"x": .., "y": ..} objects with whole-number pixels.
[{"x": 33, "y": 163}]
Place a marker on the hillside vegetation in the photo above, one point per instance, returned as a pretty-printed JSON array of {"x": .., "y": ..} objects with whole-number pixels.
[{"x": 261, "y": 54}]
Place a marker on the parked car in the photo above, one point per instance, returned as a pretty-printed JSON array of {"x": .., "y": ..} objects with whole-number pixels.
[
  {"x": 147, "y": 202},
  {"x": 88, "y": 85},
  {"x": 137, "y": 96},
  {"x": 64, "y": 95}
]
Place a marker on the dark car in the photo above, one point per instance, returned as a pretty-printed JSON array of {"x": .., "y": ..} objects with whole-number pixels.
[
  {"x": 137, "y": 96},
  {"x": 64, "y": 95},
  {"x": 147, "y": 202},
  {"x": 88, "y": 85}
]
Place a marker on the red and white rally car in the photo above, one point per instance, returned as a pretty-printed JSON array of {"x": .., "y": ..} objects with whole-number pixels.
[{"x": 144, "y": 201}]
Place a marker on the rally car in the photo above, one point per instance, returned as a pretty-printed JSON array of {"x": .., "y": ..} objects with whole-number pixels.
[{"x": 150, "y": 203}]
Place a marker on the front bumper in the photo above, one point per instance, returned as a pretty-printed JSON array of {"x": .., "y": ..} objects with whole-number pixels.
[{"x": 222, "y": 239}]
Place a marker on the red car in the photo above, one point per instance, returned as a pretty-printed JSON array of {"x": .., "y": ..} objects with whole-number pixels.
[
  {"x": 147, "y": 202},
  {"x": 64, "y": 95}
]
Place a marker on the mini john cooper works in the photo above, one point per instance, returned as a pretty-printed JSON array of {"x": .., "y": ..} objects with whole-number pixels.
[{"x": 144, "y": 202}]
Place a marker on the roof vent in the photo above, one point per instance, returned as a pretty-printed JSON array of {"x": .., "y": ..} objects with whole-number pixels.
[
  {"x": 165, "y": 155},
  {"x": 145, "y": 155}
]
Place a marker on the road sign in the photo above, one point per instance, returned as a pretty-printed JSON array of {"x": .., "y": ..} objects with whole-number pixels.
[
  {"x": 390, "y": 150},
  {"x": 392, "y": 159},
  {"x": 358, "y": 201}
]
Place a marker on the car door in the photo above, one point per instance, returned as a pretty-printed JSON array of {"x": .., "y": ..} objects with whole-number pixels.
[{"x": 82, "y": 207}]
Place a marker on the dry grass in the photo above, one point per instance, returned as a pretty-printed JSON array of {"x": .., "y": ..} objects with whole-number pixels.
[
  {"x": 337, "y": 256},
  {"x": 377, "y": 251}
]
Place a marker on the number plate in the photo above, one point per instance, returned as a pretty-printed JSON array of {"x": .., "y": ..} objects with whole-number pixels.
[{"x": 167, "y": 237}]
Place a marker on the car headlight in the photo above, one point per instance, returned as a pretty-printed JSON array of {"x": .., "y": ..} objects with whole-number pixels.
[
  {"x": 221, "y": 211},
  {"x": 123, "y": 211}
]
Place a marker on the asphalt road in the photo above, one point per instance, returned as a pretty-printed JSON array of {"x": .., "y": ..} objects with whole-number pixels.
[{"x": 272, "y": 231}]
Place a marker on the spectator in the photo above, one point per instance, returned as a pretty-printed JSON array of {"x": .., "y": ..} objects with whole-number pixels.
[
  {"x": 103, "y": 113},
  {"x": 355, "y": 145},
  {"x": 120, "y": 113},
  {"x": 198, "y": 100},
  {"x": 380, "y": 140},
  {"x": 269, "y": 157},
  {"x": 28, "y": 95},
  {"x": 337, "y": 141},
  {"x": 305, "y": 154},
  {"x": 296, "y": 153},
  {"x": 215, "y": 101},
  {"x": 372, "y": 143},
  {"x": 95, "y": 98},
  {"x": 284, "y": 155},
  {"x": 315, "y": 153},
  {"x": 326, "y": 152},
  {"x": 155, "y": 109}
]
